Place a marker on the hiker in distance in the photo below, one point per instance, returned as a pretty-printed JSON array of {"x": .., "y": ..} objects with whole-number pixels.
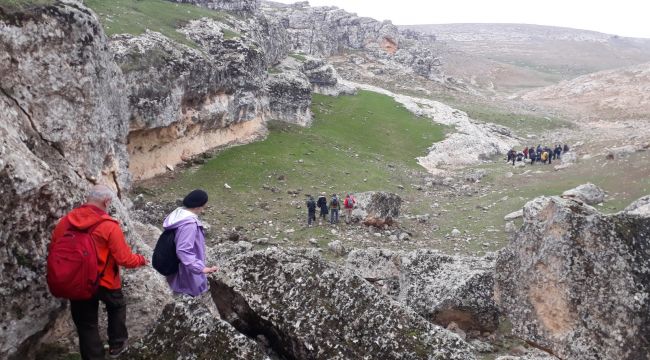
[
  {"x": 89, "y": 229},
  {"x": 322, "y": 205},
  {"x": 334, "y": 209},
  {"x": 191, "y": 278},
  {"x": 311, "y": 210}
]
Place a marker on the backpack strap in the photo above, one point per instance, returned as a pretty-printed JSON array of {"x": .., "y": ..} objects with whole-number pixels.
[{"x": 89, "y": 232}]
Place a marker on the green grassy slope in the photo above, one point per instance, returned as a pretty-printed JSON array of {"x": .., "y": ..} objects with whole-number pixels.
[
  {"x": 349, "y": 147},
  {"x": 135, "y": 16}
]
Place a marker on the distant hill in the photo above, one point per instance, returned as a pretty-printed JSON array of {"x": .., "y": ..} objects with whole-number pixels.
[
  {"x": 521, "y": 56},
  {"x": 611, "y": 94}
]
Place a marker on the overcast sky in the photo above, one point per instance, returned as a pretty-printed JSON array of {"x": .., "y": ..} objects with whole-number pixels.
[{"x": 619, "y": 17}]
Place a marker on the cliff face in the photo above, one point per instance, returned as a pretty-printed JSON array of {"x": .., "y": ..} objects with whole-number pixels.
[
  {"x": 63, "y": 124},
  {"x": 328, "y": 31},
  {"x": 185, "y": 101}
]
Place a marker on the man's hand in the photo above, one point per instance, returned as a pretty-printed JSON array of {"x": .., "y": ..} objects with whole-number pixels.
[{"x": 210, "y": 270}]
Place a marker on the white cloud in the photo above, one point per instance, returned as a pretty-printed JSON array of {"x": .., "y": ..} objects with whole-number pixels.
[{"x": 622, "y": 17}]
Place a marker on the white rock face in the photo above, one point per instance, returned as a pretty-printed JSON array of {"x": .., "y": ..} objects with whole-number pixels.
[
  {"x": 452, "y": 152},
  {"x": 567, "y": 268}
]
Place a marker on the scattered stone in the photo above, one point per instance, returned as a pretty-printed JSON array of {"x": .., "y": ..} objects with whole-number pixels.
[
  {"x": 588, "y": 193},
  {"x": 404, "y": 236},
  {"x": 476, "y": 175},
  {"x": 337, "y": 247},
  {"x": 393, "y": 238},
  {"x": 562, "y": 166},
  {"x": 313, "y": 241},
  {"x": 455, "y": 233},
  {"x": 514, "y": 215},
  {"x": 169, "y": 167},
  {"x": 510, "y": 227},
  {"x": 380, "y": 205},
  {"x": 620, "y": 152},
  {"x": 227, "y": 186}
]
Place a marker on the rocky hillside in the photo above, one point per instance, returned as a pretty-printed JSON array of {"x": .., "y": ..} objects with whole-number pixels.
[
  {"x": 520, "y": 55},
  {"x": 621, "y": 94}
]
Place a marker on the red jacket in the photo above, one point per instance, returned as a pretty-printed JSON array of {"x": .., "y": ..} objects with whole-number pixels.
[{"x": 109, "y": 239}]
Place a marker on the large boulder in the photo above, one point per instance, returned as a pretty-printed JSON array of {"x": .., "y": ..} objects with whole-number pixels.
[
  {"x": 188, "y": 329},
  {"x": 324, "y": 79},
  {"x": 577, "y": 282},
  {"x": 376, "y": 204},
  {"x": 309, "y": 309},
  {"x": 290, "y": 98},
  {"x": 441, "y": 288},
  {"x": 64, "y": 125},
  {"x": 588, "y": 193}
]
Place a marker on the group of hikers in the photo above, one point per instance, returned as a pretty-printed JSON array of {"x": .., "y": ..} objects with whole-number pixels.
[
  {"x": 541, "y": 154},
  {"x": 332, "y": 208},
  {"x": 88, "y": 280}
]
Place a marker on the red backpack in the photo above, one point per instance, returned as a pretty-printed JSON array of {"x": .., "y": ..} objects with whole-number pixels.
[{"x": 72, "y": 265}]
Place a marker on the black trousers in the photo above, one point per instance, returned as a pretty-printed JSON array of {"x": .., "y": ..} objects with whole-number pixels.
[{"x": 84, "y": 315}]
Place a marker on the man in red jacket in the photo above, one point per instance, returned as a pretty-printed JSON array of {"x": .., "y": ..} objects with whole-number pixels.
[{"x": 112, "y": 252}]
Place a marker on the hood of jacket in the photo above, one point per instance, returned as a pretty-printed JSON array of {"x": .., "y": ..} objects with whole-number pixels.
[
  {"x": 85, "y": 216},
  {"x": 179, "y": 217}
]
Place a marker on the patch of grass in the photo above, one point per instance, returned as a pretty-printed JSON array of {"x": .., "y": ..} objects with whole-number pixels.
[
  {"x": 481, "y": 215},
  {"x": 348, "y": 148},
  {"x": 24, "y": 4},
  {"x": 136, "y": 16},
  {"x": 299, "y": 57},
  {"x": 521, "y": 124},
  {"x": 274, "y": 70},
  {"x": 229, "y": 34}
]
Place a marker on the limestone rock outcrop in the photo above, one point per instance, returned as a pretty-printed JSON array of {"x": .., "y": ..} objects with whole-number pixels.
[
  {"x": 325, "y": 31},
  {"x": 237, "y": 6},
  {"x": 441, "y": 288},
  {"x": 309, "y": 309},
  {"x": 185, "y": 101},
  {"x": 376, "y": 204},
  {"x": 64, "y": 125},
  {"x": 324, "y": 79},
  {"x": 290, "y": 98},
  {"x": 188, "y": 329},
  {"x": 577, "y": 282}
]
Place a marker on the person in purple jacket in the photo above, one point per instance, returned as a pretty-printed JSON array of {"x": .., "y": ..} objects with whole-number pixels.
[{"x": 191, "y": 278}]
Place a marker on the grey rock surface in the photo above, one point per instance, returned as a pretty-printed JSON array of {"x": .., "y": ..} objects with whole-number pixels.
[
  {"x": 64, "y": 124},
  {"x": 188, "y": 329},
  {"x": 441, "y": 288},
  {"x": 245, "y": 7},
  {"x": 577, "y": 282},
  {"x": 290, "y": 98},
  {"x": 324, "y": 78},
  {"x": 308, "y": 308},
  {"x": 376, "y": 204},
  {"x": 588, "y": 193}
]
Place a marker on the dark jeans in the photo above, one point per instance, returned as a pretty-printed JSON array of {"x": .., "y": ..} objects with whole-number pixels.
[
  {"x": 311, "y": 216},
  {"x": 84, "y": 315},
  {"x": 334, "y": 216}
]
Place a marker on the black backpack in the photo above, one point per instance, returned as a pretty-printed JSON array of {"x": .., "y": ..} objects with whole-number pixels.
[{"x": 164, "y": 259}]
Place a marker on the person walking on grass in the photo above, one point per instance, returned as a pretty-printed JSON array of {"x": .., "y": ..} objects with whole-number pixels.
[
  {"x": 191, "y": 278},
  {"x": 334, "y": 209},
  {"x": 348, "y": 204},
  {"x": 311, "y": 210},
  {"x": 322, "y": 205},
  {"x": 112, "y": 252}
]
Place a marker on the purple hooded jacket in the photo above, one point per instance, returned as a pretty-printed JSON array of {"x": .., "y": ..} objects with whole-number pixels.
[{"x": 190, "y": 249}]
